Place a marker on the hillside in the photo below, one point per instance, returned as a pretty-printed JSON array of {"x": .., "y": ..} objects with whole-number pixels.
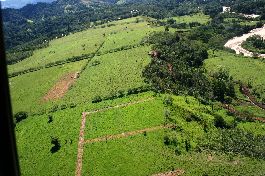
[{"x": 148, "y": 92}]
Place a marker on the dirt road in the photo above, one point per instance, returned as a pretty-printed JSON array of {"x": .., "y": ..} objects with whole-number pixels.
[{"x": 236, "y": 42}]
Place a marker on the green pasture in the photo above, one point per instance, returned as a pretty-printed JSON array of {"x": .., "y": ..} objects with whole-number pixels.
[
  {"x": 199, "y": 17},
  {"x": 115, "y": 72},
  {"x": 77, "y": 44},
  {"x": 28, "y": 90},
  {"x": 119, "y": 120},
  {"x": 245, "y": 69}
]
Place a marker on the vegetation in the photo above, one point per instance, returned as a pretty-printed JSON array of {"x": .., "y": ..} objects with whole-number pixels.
[
  {"x": 255, "y": 44},
  {"x": 188, "y": 91},
  {"x": 119, "y": 71}
]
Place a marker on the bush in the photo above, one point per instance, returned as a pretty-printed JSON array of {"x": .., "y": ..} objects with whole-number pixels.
[
  {"x": 50, "y": 119},
  {"x": 219, "y": 122},
  {"x": 168, "y": 101},
  {"x": 235, "y": 141},
  {"x": 97, "y": 99},
  {"x": 20, "y": 116},
  {"x": 56, "y": 145}
]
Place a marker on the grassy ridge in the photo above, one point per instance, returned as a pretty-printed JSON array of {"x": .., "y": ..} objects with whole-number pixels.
[{"x": 77, "y": 44}]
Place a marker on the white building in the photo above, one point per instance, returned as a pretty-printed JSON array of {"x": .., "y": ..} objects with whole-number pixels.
[{"x": 226, "y": 9}]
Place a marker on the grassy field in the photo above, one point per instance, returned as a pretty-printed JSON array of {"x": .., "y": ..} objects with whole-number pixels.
[
  {"x": 116, "y": 71},
  {"x": 146, "y": 152},
  {"x": 84, "y": 42},
  {"x": 34, "y": 135},
  {"x": 105, "y": 75},
  {"x": 146, "y": 155},
  {"x": 128, "y": 37},
  {"x": 247, "y": 70},
  {"x": 28, "y": 90},
  {"x": 131, "y": 118},
  {"x": 200, "y": 18}
]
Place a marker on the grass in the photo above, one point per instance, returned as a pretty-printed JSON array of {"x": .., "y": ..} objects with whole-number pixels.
[
  {"x": 245, "y": 69},
  {"x": 85, "y": 42},
  {"x": 28, "y": 90},
  {"x": 116, "y": 121},
  {"x": 116, "y": 71},
  {"x": 136, "y": 155},
  {"x": 146, "y": 155},
  {"x": 241, "y": 21},
  {"x": 199, "y": 17},
  {"x": 34, "y": 134},
  {"x": 129, "y": 36}
]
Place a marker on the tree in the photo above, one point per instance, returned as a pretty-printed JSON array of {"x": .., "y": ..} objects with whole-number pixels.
[
  {"x": 216, "y": 42},
  {"x": 223, "y": 86},
  {"x": 20, "y": 116}
]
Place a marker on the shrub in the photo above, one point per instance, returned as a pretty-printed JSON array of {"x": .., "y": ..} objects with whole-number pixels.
[
  {"x": 56, "y": 145},
  {"x": 50, "y": 119},
  {"x": 20, "y": 116},
  {"x": 97, "y": 99},
  {"x": 168, "y": 101}
]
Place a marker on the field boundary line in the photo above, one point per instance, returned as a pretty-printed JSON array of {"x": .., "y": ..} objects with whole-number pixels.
[
  {"x": 126, "y": 134},
  {"x": 119, "y": 106},
  {"x": 81, "y": 146},
  {"x": 81, "y": 142}
]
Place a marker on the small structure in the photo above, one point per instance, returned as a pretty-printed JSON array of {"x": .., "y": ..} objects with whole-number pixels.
[{"x": 226, "y": 9}]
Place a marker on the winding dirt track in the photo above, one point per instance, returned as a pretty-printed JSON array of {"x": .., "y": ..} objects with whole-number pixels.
[{"x": 236, "y": 42}]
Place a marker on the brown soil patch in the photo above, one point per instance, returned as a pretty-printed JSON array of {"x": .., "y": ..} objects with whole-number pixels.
[
  {"x": 171, "y": 173},
  {"x": 61, "y": 87}
]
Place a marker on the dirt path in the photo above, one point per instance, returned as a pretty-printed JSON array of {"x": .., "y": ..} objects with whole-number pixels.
[
  {"x": 236, "y": 42},
  {"x": 61, "y": 87},
  {"x": 80, "y": 151},
  {"x": 171, "y": 173},
  {"x": 120, "y": 106},
  {"x": 126, "y": 134},
  {"x": 238, "y": 114},
  {"x": 82, "y": 141},
  {"x": 251, "y": 98}
]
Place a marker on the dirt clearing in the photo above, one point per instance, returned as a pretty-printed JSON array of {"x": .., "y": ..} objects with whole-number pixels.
[{"x": 61, "y": 87}]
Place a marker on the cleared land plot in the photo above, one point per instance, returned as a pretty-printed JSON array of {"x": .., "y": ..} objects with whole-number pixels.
[
  {"x": 121, "y": 120},
  {"x": 115, "y": 71},
  {"x": 61, "y": 87},
  {"x": 247, "y": 70},
  {"x": 34, "y": 135},
  {"x": 28, "y": 90}
]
